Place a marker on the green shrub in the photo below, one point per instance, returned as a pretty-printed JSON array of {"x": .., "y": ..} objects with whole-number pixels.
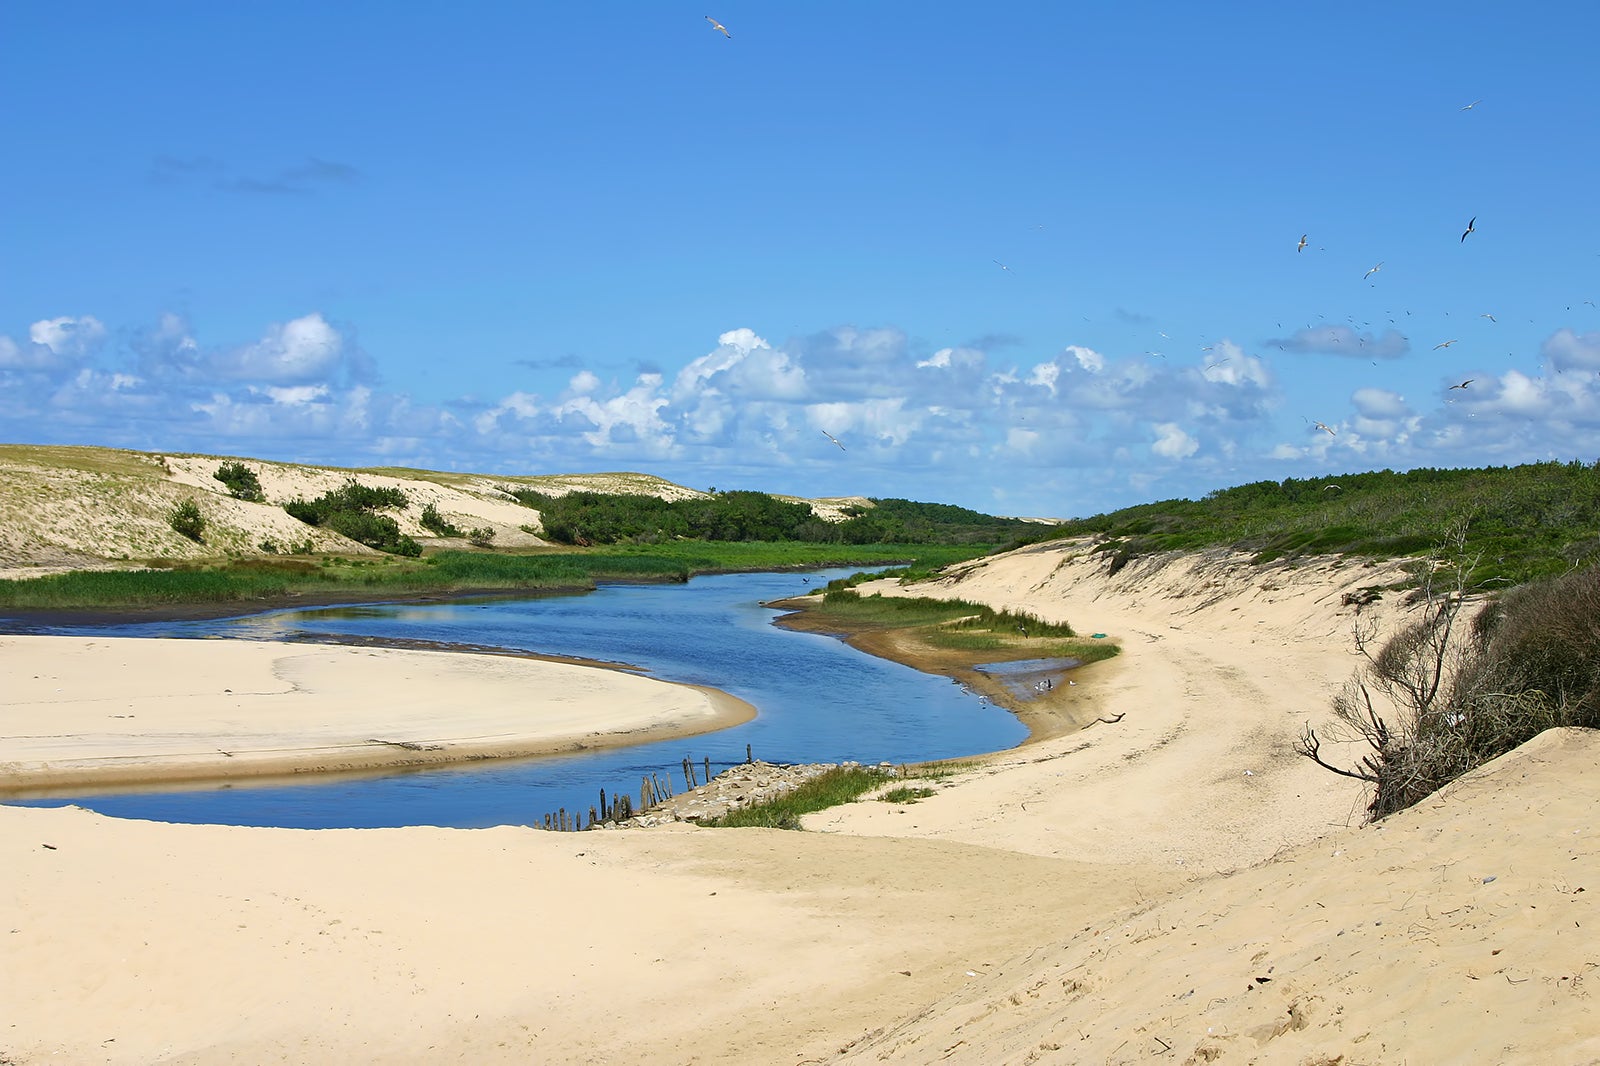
[
  {"x": 241, "y": 482},
  {"x": 1530, "y": 662},
  {"x": 438, "y": 524},
  {"x": 186, "y": 520}
]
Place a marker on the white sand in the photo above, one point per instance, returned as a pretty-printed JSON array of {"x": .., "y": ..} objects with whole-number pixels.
[
  {"x": 1107, "y": 897},
  {"x": 98, "y": 711}
]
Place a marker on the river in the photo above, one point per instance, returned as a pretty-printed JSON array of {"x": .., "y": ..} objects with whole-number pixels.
[{"x": 818, "y": 700}]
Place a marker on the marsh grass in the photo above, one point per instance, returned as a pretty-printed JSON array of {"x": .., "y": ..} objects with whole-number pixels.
[
  {"x": 907, "y": 794},
  {"x": 842, "y": 784},
  {"x": 963, "y": 617},
  {"x": 441, "y": 573}
]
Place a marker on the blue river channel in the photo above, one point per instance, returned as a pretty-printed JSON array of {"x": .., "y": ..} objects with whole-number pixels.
[{"x": 818, "y": 701}]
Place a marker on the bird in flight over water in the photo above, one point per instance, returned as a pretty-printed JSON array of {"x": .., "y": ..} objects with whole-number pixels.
[
  {"x": 835, "y": 440},
  {"x": 1471, "y": 227},
  {"x": 1463, "y": 385},
  {"x": 1444, "y": 344},
  {"x": 719, "y": 27},
  {"x": 1302, "y": 245}
]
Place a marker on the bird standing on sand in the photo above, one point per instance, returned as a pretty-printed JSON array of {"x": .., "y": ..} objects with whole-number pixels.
[
  {"x": 835, "y": 440},
  {"x": 1470, "y": 227},
  {"x": 719, "y": 27},
  {"x": 1371, "y": 272},
  {"x": 1302, "y": 245}
]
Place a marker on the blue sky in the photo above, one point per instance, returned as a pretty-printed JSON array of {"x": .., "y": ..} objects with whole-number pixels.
[{"x": 1030, "y": 258}]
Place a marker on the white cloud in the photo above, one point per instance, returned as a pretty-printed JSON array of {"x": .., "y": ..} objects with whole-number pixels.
[
  {"x": 1172, "y": 442},
  {"x": 300, "y": 350},
  {"x": 626, "y": 420},
  {"x": 1045, "y": 374},
  {"x": 1380, "y": 403},
  {"x": 1088, "y": 358},
  {"x": 1567, "y": 350},
  {"x": 68, "y": 336}
]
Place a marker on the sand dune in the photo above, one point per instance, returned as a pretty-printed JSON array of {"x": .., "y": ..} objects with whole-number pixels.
[{"x": 1111, "y": 896}]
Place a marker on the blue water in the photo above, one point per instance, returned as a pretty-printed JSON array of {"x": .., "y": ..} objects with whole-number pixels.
[{"x": 818, "y": 701}]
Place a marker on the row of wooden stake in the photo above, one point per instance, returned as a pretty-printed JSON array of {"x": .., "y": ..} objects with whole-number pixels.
[{"x": 619, "y": 807}]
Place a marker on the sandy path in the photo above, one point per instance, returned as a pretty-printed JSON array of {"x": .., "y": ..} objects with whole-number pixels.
[{"x": 95, "y": 711}]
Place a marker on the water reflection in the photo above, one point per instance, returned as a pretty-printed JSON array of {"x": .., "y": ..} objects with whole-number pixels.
[{"x": 819, "y": 701}]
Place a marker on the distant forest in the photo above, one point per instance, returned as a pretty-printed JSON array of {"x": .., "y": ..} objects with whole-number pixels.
[
  {"x": 586, "y": 518},
  {"x": 1518, "y": 522}
]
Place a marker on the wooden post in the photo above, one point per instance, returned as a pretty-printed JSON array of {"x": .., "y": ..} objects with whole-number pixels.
[{"x": 708, "y": 770}]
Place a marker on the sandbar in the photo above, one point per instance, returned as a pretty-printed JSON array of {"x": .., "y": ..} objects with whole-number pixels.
[{"x": 103, "y": 711}]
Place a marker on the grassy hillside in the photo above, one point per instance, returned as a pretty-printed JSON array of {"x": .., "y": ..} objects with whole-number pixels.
[{"x": 1517, "y": 522}]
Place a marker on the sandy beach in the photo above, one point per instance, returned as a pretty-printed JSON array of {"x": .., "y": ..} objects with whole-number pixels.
[{"x": 1173, "y": 885}]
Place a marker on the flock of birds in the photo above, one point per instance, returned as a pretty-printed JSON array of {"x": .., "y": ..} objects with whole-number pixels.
[{"x": 1472, "y": 227}]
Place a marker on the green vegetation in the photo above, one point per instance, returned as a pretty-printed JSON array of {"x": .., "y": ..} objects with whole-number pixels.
[
  {"x": 906, "y": 794},
  {"x": 842, "y": 784},
  {"x": 585, "y": 518},
  {"x": 351, "y": 511},
  {"x": 241, "y": 482},
  {"x": 438, "y": 524},
  {"x": 1523, "y": 522},
  {"x": 440, "y": 573},
  {"x": 186, "y": 520}
]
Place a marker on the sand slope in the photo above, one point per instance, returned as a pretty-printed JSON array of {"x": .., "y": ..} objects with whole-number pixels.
[{"x": 1460, "y": 931}]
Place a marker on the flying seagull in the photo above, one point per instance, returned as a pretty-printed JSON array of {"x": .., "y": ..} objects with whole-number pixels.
[
  {"x": 1302, "y": 245},
  {"x": 719, "y": 27},
  {"x": 1371, "y": 272},
  {"x": 835, "y": 440},
  {"x": 1444, "y": 344},
  {"x": 1002, "y": 266},
  {"x": 1330, "y": 432},
  {"x": 1470, "y": 227},
  {"x": 1490, "y": 317},
  {"x": 1472, "y": 105},
  {"x": 1463, "y": 385}
]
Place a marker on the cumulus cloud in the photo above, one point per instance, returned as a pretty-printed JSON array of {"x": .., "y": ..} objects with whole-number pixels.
[
  {"x": 1567, "y": 350},
  {"x": 1343, "y": 340},
  {"x": 1172, "y": 442},
  {"x": 300, "y": 350},
  {"x": 68, "y": 336},
  {"x": 1087, "y": 358}
]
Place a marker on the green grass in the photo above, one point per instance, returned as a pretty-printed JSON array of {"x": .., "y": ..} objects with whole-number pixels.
[{"x": 842, "y": 784}]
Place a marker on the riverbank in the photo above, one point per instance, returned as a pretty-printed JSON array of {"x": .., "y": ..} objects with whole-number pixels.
[
  {"x": 83, "y": 712},
  {"x": 1056, "y": 711}
]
